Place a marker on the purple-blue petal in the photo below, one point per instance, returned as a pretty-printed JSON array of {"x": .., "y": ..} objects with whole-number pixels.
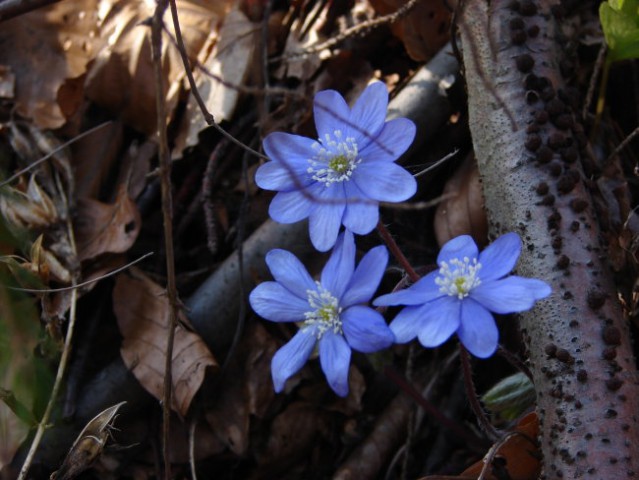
[
  {"x": 369, "y": 114},
  {"x": 274, "y": 302},
  {"x": 422, "y": 291},
  {"x": 339, "y": 268},
  {"x": 366, "y": 277},
  {"x": 289, "y": 359},
  {"x": 384, "y": 181},
  {"x": 511, "y": 294},
  {"x": 290, "y": 154},
  {"x": 441, "y": 318},
  {"x": 406, "y": 324},
  {"x": 362, "y": 213},
  {"x": 478, "y": 331},
  {"x": 331, "y": 113},
  {"x": 394, "y": 139},
  {"x": 458, "y": 247},
  {"x": 335, "y": 358},
  {"x": 289, "y": 272},
  {"x": 365, "y": 329},
  {"x": 290, "y": 207},
  {"x": 281, "y": 177},
  {"x": 500, "y": 257},
  {"x": 326, "y": 216}
]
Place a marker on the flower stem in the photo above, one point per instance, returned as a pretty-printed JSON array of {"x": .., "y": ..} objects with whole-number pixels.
[
  {"x": 450, "y": 425},
  {"x": 514, "y": 361},
  {"x": 471, "y": 393},
  {"x": 396, "y": 251}
]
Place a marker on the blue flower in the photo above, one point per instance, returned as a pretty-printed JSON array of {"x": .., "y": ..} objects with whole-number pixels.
[
  {"x": 332, "y": 311},
  {"x": 341, "y": 177},
  {"x": 461, "y": 294}
]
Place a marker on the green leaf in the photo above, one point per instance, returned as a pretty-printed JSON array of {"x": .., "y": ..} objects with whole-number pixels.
[
  {"x": 620, "y": 24},
  {"x": 510, "y": 397},
  {"x": 17, "y": 407}
]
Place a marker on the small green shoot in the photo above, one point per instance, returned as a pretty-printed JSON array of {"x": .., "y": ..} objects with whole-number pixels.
[{"x": 510, "y": 397}]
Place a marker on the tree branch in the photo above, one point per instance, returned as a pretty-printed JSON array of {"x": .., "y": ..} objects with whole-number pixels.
[{"x": 579, "y": 343}]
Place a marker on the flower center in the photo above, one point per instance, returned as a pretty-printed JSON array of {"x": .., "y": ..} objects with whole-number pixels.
[
  {"x": 458, "y": 277},
  {"x": 335, "y": 159},
  {"x": 325, "y": 312}
]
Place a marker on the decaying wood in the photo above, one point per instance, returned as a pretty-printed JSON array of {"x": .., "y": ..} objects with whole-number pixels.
[{"x": 578, "y": 341}]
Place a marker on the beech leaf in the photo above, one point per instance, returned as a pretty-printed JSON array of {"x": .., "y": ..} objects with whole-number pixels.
[
  {"x": 142, "y": 311},
  {"x": 102, "y": 228},
  {"x": 46, "y": 49},
  {"x": 462, "y": 212}
]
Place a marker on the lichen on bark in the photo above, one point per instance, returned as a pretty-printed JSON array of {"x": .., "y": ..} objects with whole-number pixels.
[{"x": 530, "y": 145}]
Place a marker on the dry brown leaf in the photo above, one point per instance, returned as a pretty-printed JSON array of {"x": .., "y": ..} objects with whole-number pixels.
[
  {"x": 425, "y": 30},
  {"x": 121, "y": 79},
  {"x": 45, "y": 49},
  {"x": 245, "y": 389},
  {"x": 102, "y": 228},
  {"x": 98, "y": 156},
  {"x": 462, "y": 212},
  {"x": 45, "y": 264},
  {"x": 299, "y": 65},
  {"x": 226, "y": 65},
  {"x": 205, "y": 442},
  {"x": 293, "y": 435},
  {"x": 7, "y": 82},
  {"x": 142, "y": 311},
  {"x": 29, "y": 209},
  {"x": 94, "y": 159},
  {"x": 518, "y": 454}
]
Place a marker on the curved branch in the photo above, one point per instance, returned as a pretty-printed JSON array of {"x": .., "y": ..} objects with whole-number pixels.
[{"x": 579, "y": 344}]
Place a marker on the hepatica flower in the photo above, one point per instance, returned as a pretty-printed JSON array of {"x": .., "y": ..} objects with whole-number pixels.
[
  {"x": 460, "y": 296},
  {"x": 333, "y": 311},
  {"x": 341, "y": 177}
]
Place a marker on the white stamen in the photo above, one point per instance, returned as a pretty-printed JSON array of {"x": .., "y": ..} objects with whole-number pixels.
[
  {"x": 325, "y": 312},
  {"x": 458, "y": 277},
  {"x": 335, "y": 159}
]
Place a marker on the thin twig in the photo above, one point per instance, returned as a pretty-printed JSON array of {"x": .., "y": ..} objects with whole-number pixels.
[
  {"x": 167, "y": 214},
  {"x": 396, "y": 251},
  {"x": 409, "y": 372},
  {"x": 82, "y": 284},
  {"x": 601, "y": 100},
  {"x": 452, "y": 427},
  {"x": 192, "y": 426},
  {"x": 494, "y": 450},
  {"x": 599, "y": 63},
  {"x": 471, "y": 393},
  {"x": 62, "y": 367},
  {"x": 53, "y": 152},
  {"x": 241, "y": 320},
  {"x": 208, "y": 117},
  {"x": 13, "y": 8},
  {"x": 407, "y": 206},
  {"x": 515, "y": 361},
  {"x": 437, "y": 163},
  {"x": 621, "y": 146},
  {"x": 355, "y": 30}
]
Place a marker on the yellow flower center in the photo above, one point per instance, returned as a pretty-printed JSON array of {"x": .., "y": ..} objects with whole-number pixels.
[
  {"x": 458, "y": 277},
  {"x": 336, "y": 159},
  {"x": 325, "y": 312}
]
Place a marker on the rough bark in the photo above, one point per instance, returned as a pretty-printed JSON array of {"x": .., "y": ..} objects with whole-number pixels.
[{"x": 578, "y": 341}]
